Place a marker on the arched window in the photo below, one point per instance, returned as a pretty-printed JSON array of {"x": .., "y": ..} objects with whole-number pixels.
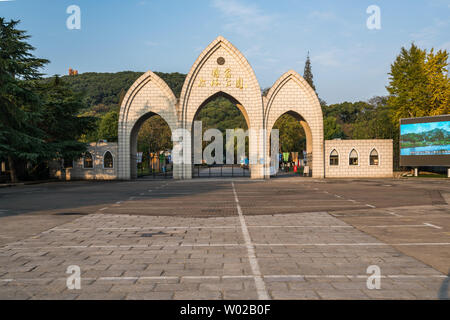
[
  {"x": 88, "y": 162},
  {"x": 353, "y": 158},
  {"x": 334, "y": 158},
  {"x": 374, "y": 159},
  {"x": 108, "y": 161}
]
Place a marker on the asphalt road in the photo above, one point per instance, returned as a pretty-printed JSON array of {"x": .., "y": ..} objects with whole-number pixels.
[{"x": 196, "y": 197}]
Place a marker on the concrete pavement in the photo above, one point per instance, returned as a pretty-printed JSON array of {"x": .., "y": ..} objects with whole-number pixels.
[{"x": 288, "y": 238}]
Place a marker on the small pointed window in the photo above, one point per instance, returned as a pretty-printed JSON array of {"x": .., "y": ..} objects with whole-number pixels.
[
  {"x": 88, "y": 162},
  {"x": 334, "y": 158},
  {"x": 108, "y": 161},
  {"x": 374, "y": 159},
  {"x": 353, "y": 159}
]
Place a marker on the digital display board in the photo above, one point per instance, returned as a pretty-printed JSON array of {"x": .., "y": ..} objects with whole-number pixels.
[{"x": 425, "y": 141}]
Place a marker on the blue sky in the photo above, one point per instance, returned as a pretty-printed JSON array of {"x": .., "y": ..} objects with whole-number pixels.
[
  {"x": 423, "y": 127},
  {"x": 349, "y": 61}
]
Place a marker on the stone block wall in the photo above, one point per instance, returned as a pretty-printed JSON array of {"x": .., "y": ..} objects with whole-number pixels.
[
  {"x": 98, "y": 172},
  {"x": 384, "y": 169}
]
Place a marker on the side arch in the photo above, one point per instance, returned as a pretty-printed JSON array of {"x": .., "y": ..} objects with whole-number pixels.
[
  {"x": 291, "y": 93},
  {"x": 222, "y": 68},
  {"x": 149, "y": 95}
]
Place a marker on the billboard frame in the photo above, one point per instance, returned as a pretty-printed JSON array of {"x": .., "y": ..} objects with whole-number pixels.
[{"x": 423, "y": 160}]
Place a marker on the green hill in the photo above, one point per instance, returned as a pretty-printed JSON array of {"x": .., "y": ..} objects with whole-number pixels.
[{"x": 103, "y": 91}]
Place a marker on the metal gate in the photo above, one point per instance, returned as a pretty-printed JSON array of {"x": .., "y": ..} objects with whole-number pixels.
[
  {"x": 225, "y": 170},
  {"x": 153, "y": 174}
]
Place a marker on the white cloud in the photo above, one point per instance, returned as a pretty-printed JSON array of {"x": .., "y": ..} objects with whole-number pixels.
[
  {"x": 331, "y": 58},
  {"x": 243, "y": 19},
  {"x": 253, "y": 51},
  {"x": 151, "y": 43},
  {"x": 445, "y": 46},
  {"x": 427, "y": 36},
  {"x": 322, "y": 15},
  {"x": 336, "y": 57}
]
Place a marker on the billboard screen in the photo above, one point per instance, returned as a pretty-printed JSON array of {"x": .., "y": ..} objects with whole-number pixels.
[{"x": 425, "y": 141}]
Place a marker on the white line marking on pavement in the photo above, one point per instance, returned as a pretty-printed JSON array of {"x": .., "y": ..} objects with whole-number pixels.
[
  {"x": 188, "y": 228},
  {"x": 271, "y": 276},
  {"x": 432, "y": 225},
  {"x": 237, "y": 245},
  {"x": 259, "y": 281},
  {"x": 371, "y": 206},
  {"x": 400, "y": 226},
  {"x": 248, "y": 226},
  {"x": 353, "y": 244},
  {"x": 394, "y": 214},
  {"x": 237, "y": 277}
]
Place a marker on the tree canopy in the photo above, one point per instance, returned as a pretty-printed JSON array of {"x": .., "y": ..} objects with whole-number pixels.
[
  {"x": 39, "y": 120},
  {"x": 20, "y": 138},
  {"x": 419, "y": 85}
]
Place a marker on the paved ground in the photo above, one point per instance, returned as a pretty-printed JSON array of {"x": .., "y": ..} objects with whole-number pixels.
[{"x": 287, "y": 238}]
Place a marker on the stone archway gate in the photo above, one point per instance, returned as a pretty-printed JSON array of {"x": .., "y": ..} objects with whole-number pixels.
[{"x": 221, "y": 68}]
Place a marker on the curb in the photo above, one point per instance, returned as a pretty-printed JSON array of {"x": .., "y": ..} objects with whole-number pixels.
[{"x": 8, "y": 185}]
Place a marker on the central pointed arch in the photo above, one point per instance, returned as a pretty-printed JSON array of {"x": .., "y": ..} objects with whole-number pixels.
[{"x": 221, "y": 68}]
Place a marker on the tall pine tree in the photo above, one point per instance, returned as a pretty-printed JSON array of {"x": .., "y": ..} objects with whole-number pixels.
[
  {"x": 20, "y": 139},
  {"x": 307, "y": 73},
  {"x": 60, "y": 120}
]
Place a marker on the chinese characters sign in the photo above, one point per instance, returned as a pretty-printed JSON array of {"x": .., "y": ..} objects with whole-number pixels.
[{"x": 222, "y": 78}]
